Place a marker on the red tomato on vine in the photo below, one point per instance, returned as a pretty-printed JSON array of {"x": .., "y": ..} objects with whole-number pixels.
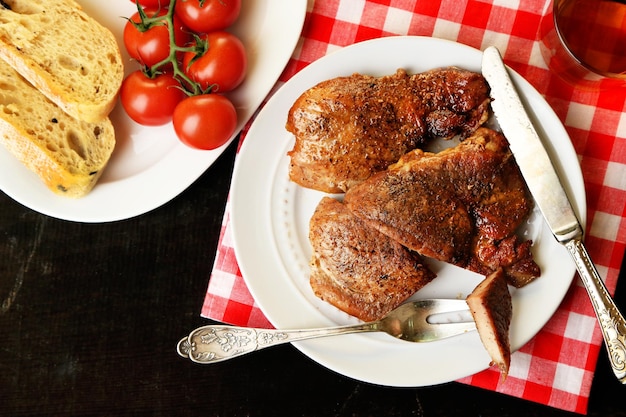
[
  {"x": 150, "y": 101},
  {"x": 222, "y": 66},
  {"x": 152, "y": 3},
  {"x": 150, "y": 43},
  {"x": 205, "y": 16},
  {"x": 185, "y": 88},
  {"x": 206, "y": 121}
]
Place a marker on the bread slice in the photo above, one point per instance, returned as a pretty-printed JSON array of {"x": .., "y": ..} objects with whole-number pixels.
[
  {"x": 67, "y": 55},
  {"x": 68, "y": 154}
]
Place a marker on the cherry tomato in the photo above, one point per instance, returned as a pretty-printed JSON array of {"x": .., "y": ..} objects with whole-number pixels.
[
  {"x": 150, "y": 101},
  {"x": 222, "y": 66},
  {"x": 153, "y": 45},
  {"x": 206, "y": 121},
  {"x": 205, "y": 16},
  {"x": 152, "y": 3}
]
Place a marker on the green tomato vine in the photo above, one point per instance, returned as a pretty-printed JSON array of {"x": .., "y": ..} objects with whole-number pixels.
[{"x": 198, "y": 47}]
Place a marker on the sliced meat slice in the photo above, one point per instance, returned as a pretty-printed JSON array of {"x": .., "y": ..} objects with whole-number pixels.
[
  {"x": 462, "y": 206},
  {"x": 491, "y": 306},
  {"x": 348, "y": 128},
  {"x": 358, "y": 269}
]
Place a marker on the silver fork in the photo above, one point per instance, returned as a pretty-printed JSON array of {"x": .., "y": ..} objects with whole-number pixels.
[{"x": 417, "y": 321}]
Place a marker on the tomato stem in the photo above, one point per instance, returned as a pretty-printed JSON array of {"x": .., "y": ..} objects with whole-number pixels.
[
  {"x": 190, "y": 87},
  {"x": 147, "y": 22}
]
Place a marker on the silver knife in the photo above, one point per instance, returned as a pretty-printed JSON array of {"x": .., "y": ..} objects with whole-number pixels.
[{"x": 549, "y": 194}]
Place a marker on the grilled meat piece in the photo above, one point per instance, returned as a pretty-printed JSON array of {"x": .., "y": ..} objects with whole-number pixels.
[
  {"x": 491, "y": 306},
  {"x": 510, "y": 253},
  {"x": 462, "y": 206},
  {"x": 358, "y": 269},
  {"x": 348, "y": 128}
]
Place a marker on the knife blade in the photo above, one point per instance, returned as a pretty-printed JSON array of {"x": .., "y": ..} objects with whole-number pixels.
[{"x": 550, "y": 196}]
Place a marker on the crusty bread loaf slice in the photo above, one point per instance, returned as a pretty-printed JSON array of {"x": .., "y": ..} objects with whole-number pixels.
[
  {"x": 66, "y": 54},
  {"x": 68, "y": 154}
]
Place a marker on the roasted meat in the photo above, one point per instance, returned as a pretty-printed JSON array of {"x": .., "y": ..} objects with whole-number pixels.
[
  {"x": 462, "y": 206},
  {"x": 491, "y": 306},
  {"x": 357, "y": 269},
  {"x": 348, "y": 128}
]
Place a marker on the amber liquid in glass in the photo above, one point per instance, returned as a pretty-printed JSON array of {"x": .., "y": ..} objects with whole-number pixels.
[{"x": 594, "y": 31}]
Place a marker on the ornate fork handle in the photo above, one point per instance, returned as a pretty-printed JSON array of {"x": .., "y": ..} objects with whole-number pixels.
[
  {"x": 218, "y": 343},
  {"x": 611, "y": 321}
]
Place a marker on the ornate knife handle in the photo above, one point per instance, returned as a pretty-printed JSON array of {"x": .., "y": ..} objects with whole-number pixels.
[
  {"x": 611, "y": 321},
  {"x": 216, "y": 343}
]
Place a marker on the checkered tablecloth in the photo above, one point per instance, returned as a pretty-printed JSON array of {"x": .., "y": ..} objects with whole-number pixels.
[{"x": 557, "y": 366}]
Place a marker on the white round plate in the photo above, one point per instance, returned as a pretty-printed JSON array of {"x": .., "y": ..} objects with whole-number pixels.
[
  {"x": 150, "y": 166},
  {"x": 270, "y": 218}
]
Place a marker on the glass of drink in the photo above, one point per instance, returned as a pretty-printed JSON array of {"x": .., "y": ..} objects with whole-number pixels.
[{"x": 584, "y": 42}]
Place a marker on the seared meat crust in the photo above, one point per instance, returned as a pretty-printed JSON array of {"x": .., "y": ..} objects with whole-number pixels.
[
  {"x": 348, "y": 128},
  {"x": 492, "y": 308},
  {"x": 358, "y": 269},
  {"x": 462, "y": 206}
]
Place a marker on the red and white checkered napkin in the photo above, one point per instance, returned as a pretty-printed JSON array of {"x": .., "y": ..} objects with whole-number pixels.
[{"x": 557, "y": 366}]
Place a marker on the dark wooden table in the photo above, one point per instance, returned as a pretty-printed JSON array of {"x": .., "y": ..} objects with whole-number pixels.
[{"x": 91, "y": 314}]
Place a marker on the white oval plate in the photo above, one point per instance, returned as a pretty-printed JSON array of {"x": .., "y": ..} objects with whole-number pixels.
[
  {"x": 270, "y": 218},
  {"x": 150, "y": 166}
]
